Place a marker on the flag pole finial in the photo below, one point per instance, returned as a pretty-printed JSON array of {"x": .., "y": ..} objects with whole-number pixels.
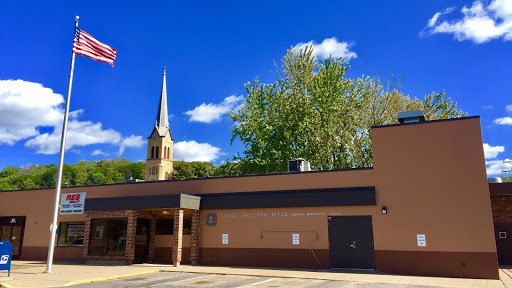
[{"x": 165, "y": 67}]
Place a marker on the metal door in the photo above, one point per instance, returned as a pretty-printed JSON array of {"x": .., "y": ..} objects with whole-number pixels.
[
  {"x": 11, "y": 229},
  {"x": 351, "y": 242},
  {"x": 503, "y": 234}
]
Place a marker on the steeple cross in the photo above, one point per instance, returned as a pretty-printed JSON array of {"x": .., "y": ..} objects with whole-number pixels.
[{"x": 165, "y": 67}]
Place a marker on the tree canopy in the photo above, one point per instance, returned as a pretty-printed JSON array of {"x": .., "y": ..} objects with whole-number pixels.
[
  {"x": 80, "y": 173},
  {"x": 313, "y": 111}
]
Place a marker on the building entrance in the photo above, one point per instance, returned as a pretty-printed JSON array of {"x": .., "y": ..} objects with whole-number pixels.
[
  {"x": 351, "y": 242},
  {"x": 142, "y": 241},
  {"x": 11, "y": 230},
  {"x": 504, "y": 242}
]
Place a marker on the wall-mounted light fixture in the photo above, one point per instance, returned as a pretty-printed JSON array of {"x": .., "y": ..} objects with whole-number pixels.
[
  {"x": 384, "y": 210},
  {"x": 166, "y": 211}
]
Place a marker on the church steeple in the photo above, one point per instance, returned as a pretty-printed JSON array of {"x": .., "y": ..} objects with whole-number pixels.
[
  {"x": 160, "y": 143},
  {"x": 162, "y": 120}
]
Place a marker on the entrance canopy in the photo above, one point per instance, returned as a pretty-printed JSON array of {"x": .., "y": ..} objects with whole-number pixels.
[{"x": 183, "y": 201}]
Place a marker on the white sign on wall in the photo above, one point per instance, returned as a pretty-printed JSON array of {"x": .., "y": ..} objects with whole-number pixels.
[
  {"x": 72, "y": 203},
  {"x": 295, "y": 239},
  {"x": 224, "y": 238},
  {"x": 422, "y": 240}
]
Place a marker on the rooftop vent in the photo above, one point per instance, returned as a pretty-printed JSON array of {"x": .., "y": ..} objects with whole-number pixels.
[
  {"x": 495, "y": 180},
  {"x": 298, "y": 165},
  {"x": 411, "y": 117}
]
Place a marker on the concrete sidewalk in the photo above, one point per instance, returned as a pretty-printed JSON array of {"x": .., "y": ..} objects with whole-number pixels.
[{"x": 30, "y": 274}]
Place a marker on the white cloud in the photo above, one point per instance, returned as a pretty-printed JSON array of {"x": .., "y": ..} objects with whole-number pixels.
[
  {"x": 488, "y": 107},
  {"x": 509, "y": 108},
  {"x": 491, "y": 152},
  {"x": 496, "y": 167},
  {"x": 99, "y": 152},
  {"x": 78, "y": 134},
  {"x": 434, "y": 18},
  {"x": 328, "y": 47},
  {"x": 208, "y": 113},
  {"x": 25, "y": 107},
  {"x": 480, "y": 22},
  {"x": 132, "y": 141},
  {"x": 193, "y": 151},
  {"x": 503, "y": 121}
]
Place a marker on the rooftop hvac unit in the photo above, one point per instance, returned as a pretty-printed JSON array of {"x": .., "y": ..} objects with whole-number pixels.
[
  {"x": 411, "y": 117},
  {"x": 495, "y": 180},
  {"x": 298, "y": 165}
]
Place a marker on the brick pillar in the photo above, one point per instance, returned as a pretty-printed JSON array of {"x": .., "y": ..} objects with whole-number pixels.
[
  {"x": 87, "y": 233},
  {"x": 194, "y": 246},
  {"x": 130, "y": 234},
  {"x": 177, "y": 237},
  {"x": 152, "y": 230}
]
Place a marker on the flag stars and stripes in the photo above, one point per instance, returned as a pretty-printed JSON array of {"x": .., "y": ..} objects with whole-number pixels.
[{"x": 85, "y": 45}]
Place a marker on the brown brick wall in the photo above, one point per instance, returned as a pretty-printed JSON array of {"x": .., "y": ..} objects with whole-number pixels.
[
  {"x": 178, "y": 237},
  {"x": 132, "y": 216},
  {"x": 194, "y": 247},
  {"x": 501, "y": 208},
  {"x": 130, "y": 234}
]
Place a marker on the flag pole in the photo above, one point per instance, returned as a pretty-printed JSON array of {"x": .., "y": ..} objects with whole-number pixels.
[{"x": 53, "y": 226}]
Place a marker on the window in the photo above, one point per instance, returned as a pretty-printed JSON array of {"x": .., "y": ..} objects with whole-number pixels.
[
  {"x": 71, "y": 234},
  {"x": 166, "y": 226},
  {"x": 187, "y": 226},
  {"x": 165, "y": 153},
  {"x": 156, "y": 153},
  {"x": 168, "y": 153},
  {"x": 152, "y": 152},
  {"x": 108, "y": 237},
  {"x": 153, "y": 170}
]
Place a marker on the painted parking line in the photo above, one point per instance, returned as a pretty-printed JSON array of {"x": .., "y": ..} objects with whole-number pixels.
[
  {"x": 256, "y": 283},
  {"x": 171, "y": 282}
]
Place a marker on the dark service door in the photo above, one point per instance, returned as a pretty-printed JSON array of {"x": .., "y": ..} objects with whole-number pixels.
[
  {"x": 503, "y": 232},
  {"x": 351, "y": 242},
  {"x": 11, "y": 230},
  {"x": 142, "y": 241}
]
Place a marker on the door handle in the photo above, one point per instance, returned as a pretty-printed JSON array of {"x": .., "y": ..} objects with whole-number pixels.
[{"x": 352, "y": 245}]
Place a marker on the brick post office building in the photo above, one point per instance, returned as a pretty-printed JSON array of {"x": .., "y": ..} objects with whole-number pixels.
[{"x": 423, "y": 209}]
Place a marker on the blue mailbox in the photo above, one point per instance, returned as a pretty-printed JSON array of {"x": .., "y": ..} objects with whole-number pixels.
[{"x": 5, "y": 256}]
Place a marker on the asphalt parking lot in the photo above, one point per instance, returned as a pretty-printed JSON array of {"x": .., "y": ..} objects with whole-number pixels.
[{"x": 180, "y": 279}]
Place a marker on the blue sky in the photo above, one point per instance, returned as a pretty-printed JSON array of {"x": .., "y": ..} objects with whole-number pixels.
[{"x": 212, "y": 48}]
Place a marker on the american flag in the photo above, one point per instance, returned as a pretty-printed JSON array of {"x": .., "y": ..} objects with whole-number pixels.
[{"x": 85, "y": 45}]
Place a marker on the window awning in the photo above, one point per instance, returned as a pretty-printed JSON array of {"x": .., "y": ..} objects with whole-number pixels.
[{"x": 143, "y": 202}]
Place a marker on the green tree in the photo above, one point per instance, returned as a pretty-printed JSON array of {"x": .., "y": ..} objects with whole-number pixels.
[
  {"x": 182, "y": 170},
  {"x": 28, "y": 184},
  {"x": 8, "y": 171},
  {"x": 314, "y": 111}
]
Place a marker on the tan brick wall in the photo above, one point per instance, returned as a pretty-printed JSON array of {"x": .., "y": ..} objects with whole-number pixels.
[{"x": 501, "y": 208}]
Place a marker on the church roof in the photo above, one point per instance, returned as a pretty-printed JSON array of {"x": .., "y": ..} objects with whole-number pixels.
[{"x": 162, "y": 120}]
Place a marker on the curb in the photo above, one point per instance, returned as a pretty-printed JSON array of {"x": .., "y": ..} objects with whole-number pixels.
[{"x": 103, "y": 278}]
